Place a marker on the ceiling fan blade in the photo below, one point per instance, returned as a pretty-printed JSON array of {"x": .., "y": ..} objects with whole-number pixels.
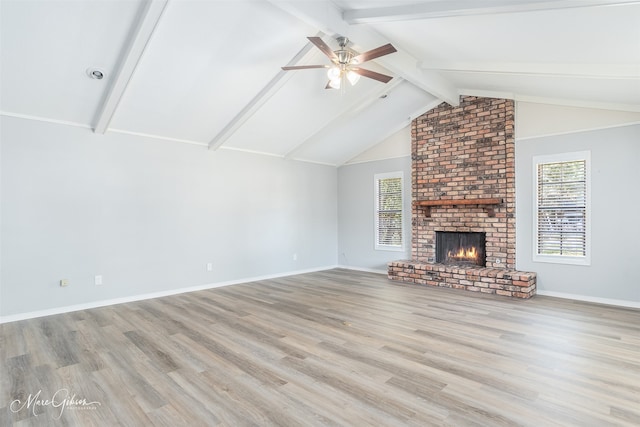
[
  {"x": 303, "y": 67},
  {"x": 328, "y": 86},
  {"x": 372, "y": 75},
  {"x": 320, "y": 44},
  {"x": 374, "y": 53}
]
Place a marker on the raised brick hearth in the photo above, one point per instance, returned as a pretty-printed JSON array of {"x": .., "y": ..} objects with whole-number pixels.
[
  {"x": 500, "y": 281},
  {"x": 463, "y": 180}
]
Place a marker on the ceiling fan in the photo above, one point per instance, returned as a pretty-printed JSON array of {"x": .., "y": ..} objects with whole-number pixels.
[{"x": 346, "y": 63}]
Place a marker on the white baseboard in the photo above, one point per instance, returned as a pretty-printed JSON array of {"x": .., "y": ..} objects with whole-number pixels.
[
  {"x": 366, "y": 270},
  {"x": 141, "y": 297},
  {"x": 607, "y": 301},
  {"x": 133, "y": 298}
]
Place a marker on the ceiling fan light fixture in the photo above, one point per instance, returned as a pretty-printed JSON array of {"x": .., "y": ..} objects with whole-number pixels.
[
  {"x": 333, "y": 73},
  {"x": 353, "y": 77},
  {"x": 345, "y": 63}
]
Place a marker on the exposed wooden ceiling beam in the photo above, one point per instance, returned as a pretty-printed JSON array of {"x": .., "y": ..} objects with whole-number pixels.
[
  {"x": 328, "y": 18},
  {"x": 147, "y": 23},
  {"x": 406, "y": 66},
  {"x": 420, "y": 111},
  {"x": 589, "y": 71},
  {"x": 550, "y": 100},
  {"x": 451, "y": 8},
  {"x": 263, "y": 96},
  {"x": 325, "y": 16}
]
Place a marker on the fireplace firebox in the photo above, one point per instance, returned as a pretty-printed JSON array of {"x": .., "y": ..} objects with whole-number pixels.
[{"x": 456, "y": 248}]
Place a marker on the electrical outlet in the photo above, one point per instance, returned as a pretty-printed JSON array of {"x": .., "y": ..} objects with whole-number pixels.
[
  {"x": 98, "y": 280},
  {"x": 64, "y": 282},
  {"x": 209, "y": 266},
  {"x": 295, "y": 257}
]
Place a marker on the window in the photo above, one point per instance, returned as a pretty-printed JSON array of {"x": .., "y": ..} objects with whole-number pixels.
[
  {"x": 388, "y": 220},
  {"x": 562, "y": 208}
]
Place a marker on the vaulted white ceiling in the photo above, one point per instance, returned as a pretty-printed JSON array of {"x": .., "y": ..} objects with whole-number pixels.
[{"x": 208, "y": 72}]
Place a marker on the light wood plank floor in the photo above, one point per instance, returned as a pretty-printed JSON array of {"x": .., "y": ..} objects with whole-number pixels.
[{"x": 337, "y": 348}]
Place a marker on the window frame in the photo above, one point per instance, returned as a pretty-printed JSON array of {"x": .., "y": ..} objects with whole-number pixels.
[
  {"x": 376, "y": 180},
  {"x": 562, "y": 158}
]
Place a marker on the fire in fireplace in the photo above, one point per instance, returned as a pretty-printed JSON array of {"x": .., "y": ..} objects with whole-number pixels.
[{"x": 460, "y": 248}]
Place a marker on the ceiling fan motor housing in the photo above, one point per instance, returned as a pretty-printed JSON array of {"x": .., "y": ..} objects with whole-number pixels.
[{"x": 344, "y": 55}]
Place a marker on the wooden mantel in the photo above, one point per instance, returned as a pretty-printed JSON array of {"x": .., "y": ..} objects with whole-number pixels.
[{"x": 489, "y": 203}]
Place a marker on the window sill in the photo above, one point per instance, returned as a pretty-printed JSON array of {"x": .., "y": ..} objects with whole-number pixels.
[
  {"x": 550, "y": 259},
  {"x": 389, "y": 248}
]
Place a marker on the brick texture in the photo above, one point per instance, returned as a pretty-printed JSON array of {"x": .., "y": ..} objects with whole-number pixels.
[
  {"x": 465, "y": 152},
  {"x": 498, "y": 281}
]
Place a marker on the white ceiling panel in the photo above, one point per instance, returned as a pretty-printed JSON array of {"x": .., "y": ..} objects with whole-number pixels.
[
  {"x": 299, "y": 110},
  {"x": 608, "y": 34},
  {"x": 606, "y": 93},
  {"x": 208, "y": 71},
  {"x": 204, "y": 63},
  {"x": 347, "y": 138},
  {"x": 46, "y": 48}
]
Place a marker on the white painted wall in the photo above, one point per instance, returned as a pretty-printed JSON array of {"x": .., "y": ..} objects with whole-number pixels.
[
  {"x": 536, "y": 120},
  {"x": 615, "y": 174},
  {"x": 148, "y": 215},
  {"x": 396, "y": 145},
  {"x": 356, "y": 204}
]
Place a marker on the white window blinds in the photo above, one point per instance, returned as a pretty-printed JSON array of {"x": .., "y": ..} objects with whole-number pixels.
[
  {"x": 562, "y": 208},
  {"x": 389, "y": 211}
]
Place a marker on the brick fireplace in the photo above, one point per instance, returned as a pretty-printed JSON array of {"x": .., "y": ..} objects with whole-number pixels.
[{"x": 463, "y": 181}]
